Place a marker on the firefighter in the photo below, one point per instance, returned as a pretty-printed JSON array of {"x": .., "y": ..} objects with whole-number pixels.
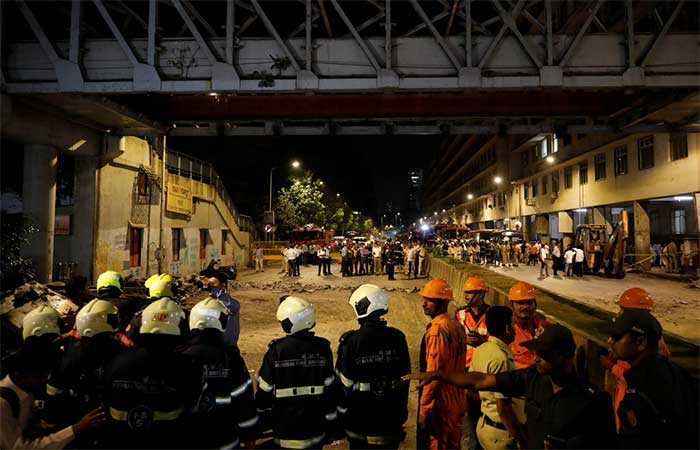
[
  {"x": 295, "y": 385},
  {"x": 110, "y": 287},
  {"x": 527, "y": 322},
  {"x": 159, "y": 286},
  {"x": 443, "y": 348},
  {"x": 75, "y": 387},
  {"x": 373, "y": 405},
  {"x": 225, "y": 413},
  {"x": 150, "y": 389},
  {"x": 41, "y": 323}
]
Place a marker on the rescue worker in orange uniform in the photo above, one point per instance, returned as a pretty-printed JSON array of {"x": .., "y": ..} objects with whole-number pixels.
[
  {"x": 440, "y": 406},
  {"x": 473, "y": 319},
  {"x": 473, "y": 315},
  {"x": 528, "y": 324},
  {"x": 632, "y": 299}
]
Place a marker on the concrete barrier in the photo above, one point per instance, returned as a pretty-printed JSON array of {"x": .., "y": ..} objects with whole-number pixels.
[{"x": 590, "y": 326}]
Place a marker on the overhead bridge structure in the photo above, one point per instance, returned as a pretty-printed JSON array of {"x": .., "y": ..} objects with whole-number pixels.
[{"x": 260, "y": 67}]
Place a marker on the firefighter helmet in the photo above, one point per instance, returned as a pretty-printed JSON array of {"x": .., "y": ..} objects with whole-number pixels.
[
  {"x": 162, "y": 317},
  {"x": 40, "y": 321},
  {"x": 98, "y": 316},
  {"x": 209, "y": 313},
  {"x": 110, "y": 283},
  {"x": 367, "y": 299},
  {"x": 296, "y": 314}
]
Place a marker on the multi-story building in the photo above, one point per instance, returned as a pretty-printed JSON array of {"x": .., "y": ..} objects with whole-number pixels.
[
  {"x": 548, "y": 184},
  {"x": 414, "y": 193}
]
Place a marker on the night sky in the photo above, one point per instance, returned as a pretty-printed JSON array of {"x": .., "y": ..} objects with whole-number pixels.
[{"x": 367, "y": 170}]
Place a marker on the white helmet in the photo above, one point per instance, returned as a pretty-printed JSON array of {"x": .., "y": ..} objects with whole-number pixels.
[
  {"x": 209, "y": 313},
  {"x": 367, "y": 299},
  {"x": 162, "y": 317},
  {"x": 296, "y": 314},
  {"x": 40, "y": 321},
  {"x": 98, "y": 316}
]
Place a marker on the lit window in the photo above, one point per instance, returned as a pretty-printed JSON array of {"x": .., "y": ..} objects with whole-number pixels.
[{"x": 679, "y": 221}]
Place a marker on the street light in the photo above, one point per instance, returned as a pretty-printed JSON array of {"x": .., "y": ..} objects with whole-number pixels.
[
  {"x": 296, "y": 164},
  {"x": 338, "y": 194},
  {"x": 470, "y": 196},
  {"x": 321, "y": 182},
  {"x": 497, "y": 179},
  {"x": 550, "y": 159}
]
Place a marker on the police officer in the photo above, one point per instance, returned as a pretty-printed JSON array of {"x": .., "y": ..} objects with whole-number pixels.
[
  {"x": 295, "y": 384},
  {"x": 150, "y": 389},
  {"x": 225, "y": 414},
  {"x": 75, "y": 387},
  {"x": 371, "y": 361},
  {"x": 660, "y": 406}
]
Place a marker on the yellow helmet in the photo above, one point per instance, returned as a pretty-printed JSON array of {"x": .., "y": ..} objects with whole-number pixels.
[
  {"x": 159, "y": 286},
  {"x": 209, "y": 313},
  {"x": 162, "y": 317},
  {"x": 110, "y": 283},
  {"x": 40, "y": 321},
  {"x": 98, "y": 316}
]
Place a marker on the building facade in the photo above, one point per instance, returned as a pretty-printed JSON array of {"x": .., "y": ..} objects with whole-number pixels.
[{"x": 547, "y": 185}]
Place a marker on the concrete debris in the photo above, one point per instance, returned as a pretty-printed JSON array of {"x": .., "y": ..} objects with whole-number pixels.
[{"x": 25, "y": 298}]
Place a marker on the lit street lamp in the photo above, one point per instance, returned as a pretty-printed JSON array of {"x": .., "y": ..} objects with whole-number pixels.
[
  {"x": 497, "y": 179},
  {"x": 295, "y": 164},
  {"x": 470, "y": 196}
]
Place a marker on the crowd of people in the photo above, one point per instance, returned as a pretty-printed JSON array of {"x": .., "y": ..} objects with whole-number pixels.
[
  {"x": 570, "y": 261},
  {"x": 161, "y": 377},
  {"x": 355, "y": 259}
]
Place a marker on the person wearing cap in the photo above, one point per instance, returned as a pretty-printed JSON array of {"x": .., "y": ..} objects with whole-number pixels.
[
  {"x": 632, "y": 299},
  {"x": 27, "y": 372},
  {"x": 528, "y": 323},
  {"x": 443, "y": 348},
  {"x": 149, "y": 389},
  {"x": 660, "y": 407},
  {"x": 498, "y": 425},
  {"x": 562, "y": 411},
  {"x": 216, "y": 282},
  {"x": 75, "y": 386},
  {"x": 373, "y": 404}
]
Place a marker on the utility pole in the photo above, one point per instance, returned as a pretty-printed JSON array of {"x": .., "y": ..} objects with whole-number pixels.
[{"x": 162, "y": 204}]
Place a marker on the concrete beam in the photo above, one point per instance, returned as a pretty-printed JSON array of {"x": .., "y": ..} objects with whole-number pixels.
[
  {"x": 39, "y": 203},
  {"x": 642, "y": 236}
]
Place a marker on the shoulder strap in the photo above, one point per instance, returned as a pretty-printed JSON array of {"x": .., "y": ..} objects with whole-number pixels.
[{"x": 10, "y": 396}]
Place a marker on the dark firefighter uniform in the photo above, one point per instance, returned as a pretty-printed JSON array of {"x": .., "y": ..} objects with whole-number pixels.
[
  {"x": 148, "y": 392},
  {"x": 295, "y": 390},
  {"x": 373, "y": 403},
  {"x": 225, "y": 414},
  {"x": 76, "y": 386}
]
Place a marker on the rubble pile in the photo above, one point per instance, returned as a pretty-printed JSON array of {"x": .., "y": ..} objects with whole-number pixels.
[{"x": 283, "y": 286}]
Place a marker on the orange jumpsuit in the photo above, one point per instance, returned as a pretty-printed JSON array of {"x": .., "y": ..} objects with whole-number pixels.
[
  {"x": 443, "y": 348},
  {"x": 522, "y": 356},
  {"x": 472, "y": 324}
]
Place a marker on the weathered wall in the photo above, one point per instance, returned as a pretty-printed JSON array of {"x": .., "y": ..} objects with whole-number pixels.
[{"x": 118, "y": 211}]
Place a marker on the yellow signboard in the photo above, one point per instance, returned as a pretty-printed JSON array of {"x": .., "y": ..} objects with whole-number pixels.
[{"x": 179, "y": 199}]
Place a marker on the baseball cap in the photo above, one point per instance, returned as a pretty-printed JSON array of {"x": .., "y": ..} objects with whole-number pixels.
[
  {"x": 555, "y": 340},
  {"x": 639, "y": 321}
]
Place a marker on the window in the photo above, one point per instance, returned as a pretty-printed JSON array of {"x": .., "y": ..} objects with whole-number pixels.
[
  {"x": 526, "y": 190},
  {"x": 583, "y": 173},
  {"x": 177, "y": 243},
  {"x": 645, "y": 152},
  {"x": 621, "y": 160},
  {"x": 203, "y": 244},
  {"x": 525, "y": 158},
  {"x": 534, "y": 188},
  {"x": 544, "y": 184},
  {"x": 555, "y": 182},
  {"x": 568, "y": 179},
  {"x": 679, "y": 146},
  {"x": 135, "y": 235},
  {"x": 599, "y": 162},
  {"x": 679, "y": 221},
  {"x": 544, "y": 148},
  {"x": 224, "y": 235}
]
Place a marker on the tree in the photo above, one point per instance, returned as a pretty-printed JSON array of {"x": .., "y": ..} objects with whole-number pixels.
[{"x": 299, "y": 204}]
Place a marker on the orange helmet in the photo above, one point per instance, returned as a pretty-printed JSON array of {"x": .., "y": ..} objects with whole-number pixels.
[
  {"x": 437, "y": 289},
  {"x": 474, "y": 284},
  {"x": 636, "y": 298},
  {"x": 521, "y": 292}
]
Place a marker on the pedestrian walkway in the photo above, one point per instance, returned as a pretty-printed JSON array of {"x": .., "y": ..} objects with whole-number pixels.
[{"x": 676, "y": 303}]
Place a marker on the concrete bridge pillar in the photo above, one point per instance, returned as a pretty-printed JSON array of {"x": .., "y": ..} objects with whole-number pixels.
[
  {"x": 39, "y": 201},
  {"x": 642, "y": 236}
]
